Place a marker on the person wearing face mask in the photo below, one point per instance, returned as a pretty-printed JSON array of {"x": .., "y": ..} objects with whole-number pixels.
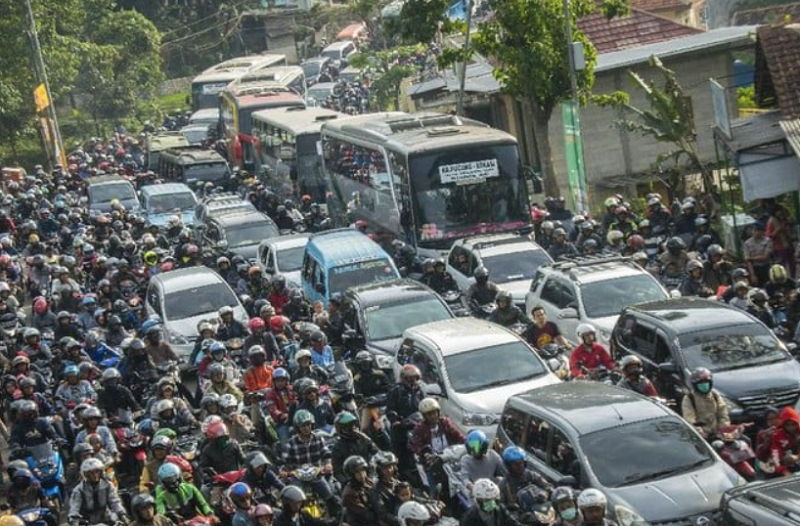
[
  {"x": 634, "y": 380},
  {"x": 488, "y": 511},
  {"x": 563, "y": 500},
  {"x": 703, "y": 406},
  {"x": 592, "y": 505}
]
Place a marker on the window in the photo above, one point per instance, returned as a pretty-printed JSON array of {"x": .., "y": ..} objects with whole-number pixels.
[
  {"x": 427, "y": 365},
  {"x": 551, "y": 292},
  {"x": 460, "y": 261},
  {"x": 536, "y": 438},
  {"x": 562, "y": 457},
  {"x": 309, "y": 268},
  {"x": 624, "y": 331},
  {"x": 662, "y": 351},
  {"x": 264, "y": 256},
  {"x": 513, "y": 422},
  {"x": 537, "y": 281},
  {"x": 643, "y": 338}
]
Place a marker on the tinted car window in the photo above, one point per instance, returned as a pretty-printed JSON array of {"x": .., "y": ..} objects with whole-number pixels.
[
  {"x": 513, "y": 421},
  {"x": 512, "y": 267},
  {"x": 609, "y": 297},
  {"x": 536, "y": 438},
  {"x": 391, "y": 320},
  {"x": 733, "y": 347},
  {"x": 551, "y": 292},
  {"x": 200, "y": 300}
]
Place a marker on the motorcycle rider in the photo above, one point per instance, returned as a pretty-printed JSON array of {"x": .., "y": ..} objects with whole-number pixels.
[
  {"x": 93, "y": 424},
  {"x": 383, "y": 500},
  {"x": 692, "y": 284},
  {"x": 401, "y": 402},
  {"x": 350, "y": 441},
  {"x": 589, "y": 356},
  {"x": 219, "y": 384},
  {"x": 440, "y": 280},
  {"x": 592, "y": 505},
  {"x": 257, "y": 377},
  {"x": 94, "y": 499},
  {"x": 73, "y": 390},
  {"x": 518, "y": 475},
  {"x": 259, "y": 335},
  {"x": 176, "y": 499},
  {"x": 292, "y": 499},
  {"x": 139, "y": 370},
  {"x": 143, "y": 508},
  {"x": 716, "y": 270},
  {"x": 488, "y": 510},
  {"x": 634, "y": 379},
  {"x": 221, "y": 453},
  {"x": 307, "y": 369},
  {"x": 480, "y": 462},
  {"x": 560, "y": 247},
  {"x": 279, "y": 401},
  {"x": 29, "y": 430},
  {"x": 298, "y": 309},
  {"x": 115, "y": 397},
  {"x": 167, "y": 416},
  {"x": 241, "y": 496},
  {"x": 369, "y": 380},
  {"x": 563, "y": 501},
  {"x": 672, "y": 262},
  {"x": 259, "y": 474},
  {"x": 321, "y": 352},
  {"x": 543, "y": 332},
  {"x": 784, "y": 443},
  {"x": 704, "y": 404},
  {"x": 159, "y": 350},
  {"x": 759, "y": 308},
  {"x": 355, "y": 495},
  {"x": 160, "y": 447},
  {"x": 481, "y": 292},
  {"x": 507, "y": 314},
  {"x": 229, "y": 327}
]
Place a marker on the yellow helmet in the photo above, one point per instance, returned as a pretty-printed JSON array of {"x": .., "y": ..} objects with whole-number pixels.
[
  {"x": 150, "y": 258},
  {"x": 33, "y": 238}
]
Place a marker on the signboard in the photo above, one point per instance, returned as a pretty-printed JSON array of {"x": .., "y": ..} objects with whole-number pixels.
[
  {"x": 573, "y": 149},
  {"x": 40, "y": 98},
  {"x": 722, "y": 118},
  {"x": 468, "y": 173},
  {"x": 211, "y": 89}
]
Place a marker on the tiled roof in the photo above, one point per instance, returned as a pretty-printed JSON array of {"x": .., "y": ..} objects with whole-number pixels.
[
  {"x": 636, "y": 29},
  {"x": 777, "y": 54},
  {"x": 774, "y": 14},
  {"x": 661, "y": 5}
]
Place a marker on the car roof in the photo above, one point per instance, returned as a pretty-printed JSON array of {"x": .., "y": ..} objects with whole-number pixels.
[
  {"x": 588, "y": 406},
  {"x": 344, "y": 245},
  {"x": 337, "y": 45},
  {"x": 315, "y": 59},
  {"x": 186, "y": 278},
  {"x": 166, "y": 188},
  {"x": 495, "y": 244},
  {"x": 238, "y": 216},
  {"x": 205, "y": 113},
  {"x": 106, "y": 179},
  {"x": 778, "y": 495},
  {"x": 591, "y": 269},
  {"x": 397, "y": 290},
  {"x": 692, "y": 314},
  {"x": 458, "y": 335},
  {"x": 288, "y": 241}
]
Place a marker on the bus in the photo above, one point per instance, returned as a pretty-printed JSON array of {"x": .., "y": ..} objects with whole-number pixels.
[
  {"x": 207, "y": 86},
  {"x": 291, "y": 77},
  {"x": 160, "y": 141},
  {"x": 193, "y": 165},
  {"x": 426, "y": 179},
  {"x": 288, "y": 139},
  {"x": 237, "y": 106}
]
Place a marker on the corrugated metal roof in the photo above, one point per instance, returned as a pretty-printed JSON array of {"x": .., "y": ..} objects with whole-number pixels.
[
  {"x": 755, "y": 131},
  {"x": 717, "y": 37},
  {"x": 791, "y": 127},
  {"x": 479, "y": 80}
]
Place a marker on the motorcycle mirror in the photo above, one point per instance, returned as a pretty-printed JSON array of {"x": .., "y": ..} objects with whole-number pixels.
[
  {"x": 668, "y": 368},
  {"x": 554, "y": 364},
  {"x": 567, "y": 481},
  {"x": 568, "y": 314}
]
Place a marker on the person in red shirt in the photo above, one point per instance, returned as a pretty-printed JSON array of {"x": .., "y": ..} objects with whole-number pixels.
[
  {"x": 257, "y": 377},
  {"x": 280, "y": 293},
  {"x": 784, "y": 443},
  {"x": 279, "y": 401},
  {"x": 589, "y": 356}
]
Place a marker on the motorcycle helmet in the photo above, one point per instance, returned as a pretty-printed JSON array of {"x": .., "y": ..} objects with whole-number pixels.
[
  {"x": 477, "y": 443},
  {"x": 161, "y": 441},
  {"x": 345, "y": 423},
  {"x": 364, "y": 361},
  {"x": 591, "y": 498},
  {"x": 693, "y": 264},
  {"x": 162, "y": 406},
  {"x": 110, "y": 374},
  {"x": 215, "y": 369},
  {"x": 409, "y": 372},
  {"x": 481, "y": 273},
  {"x": 292, "y": 494},
  {"x": 142, "y": 500},
  {"x": 169, "y": 475},
  {"x": 635, "y": 242},
  {"x": 208, "y": 400},
  {"x": 240, "y": 494},
  {"x": 256, "y": 323},
  {"x": 631, "y": 361},
  {"x": 675, "y": 244},
  {"x": 92, "y": 464},
  {"x": 503, "y": 296},
  {"x": 614, "y": 236},
  {"x": 80, "y": 449},
  {"x": 256, "y": 459},
  {"x": 305, "y": 353},
  {"x": 758, "y": 297},
  {"x": 228, "y": 402},
  {"x": 279, "y": 373},
  {"x": 353, "y": 464},
  {"x": 562, "y": 494},
  {"x": 777, "y": 273},
  {"x": 256, "y": 350},
  {"x": 513, "y": 454},
  {"x": 715, "y": 250},
  {"x": 261, "y": 510},
  {"x": 71, "y": 370},
  {"x": 217, "y": 430},
  {"x": 584, "y": 329},
  {"x": 91, "y": 412},
  {"x": 485, "y": 489},
  {"x": 414, "y": 511},
  {"x": 303, "y": 417},
  {"x": 739, "y": 274},
  {"x": 702, "y": 380},
  {"x": 224, "y": 311},
  {"x": 381, "y": 459},
  {"x": 428, "y": 405}
]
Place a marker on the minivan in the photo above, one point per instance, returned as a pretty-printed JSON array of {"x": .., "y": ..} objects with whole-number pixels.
[
  {"x": 160, "y": 201},
  {"x": 338, "y": 52},
  {"x": 104, "y": 189},
  {"x": 336, "y": 260}
]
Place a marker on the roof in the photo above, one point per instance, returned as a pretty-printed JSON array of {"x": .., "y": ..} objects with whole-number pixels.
[
  {"x": 661, "y": 5},
  {"x": 590, "y": 406},
  {"x": 499, "y": 243},
  {"x": 238, "y": 216},
  {"x": 458, "y": 335},
  {"x": 297, "y": 120},
  {"x": 773, "y": 14},
  {"x": 187, "y": 278},
  {"x": 589, "y": 269},
  {"x": 195, "y": 155},
  {"x": 344, "y": 244},
  {"x": 166, "y": 188},
  {"x": 791, "y": 128},
  {"x": 205, "y": 114},
  {"x": 106, "y": 179},
  {"x": 281, "y": 75},
  {"x": 691, "y": 314},
  {"x": 758, "y": 130},
  {"x": 634, "y": 30},
  {"x": 337, "y": 45},
  {"x": 480, "y": 79},
  {"x": 705, "y": 42},
  {"x": 270, "y": 99},
  {"x": 288, "y": 241},
  {"x": 780, "y": 495},
  {"x": 777, "y": 51},
  {"x": 394, "y": 291}
]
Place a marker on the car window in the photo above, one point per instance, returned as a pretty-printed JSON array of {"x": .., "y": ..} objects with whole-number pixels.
[
  {"x": 204, "y": 299},
  {"x": 643, "y": 338},
  {"x": 513, "y": 423},
  {"x": 624, "y": 331},
  {"x": 537, "y": 281},
  {"x": 558, "y": 293},
  {"x": 562, "y": 456},
  {"x": 428, "y": 367},
  {"x": 264, "y": 257},
  {"x": 459, "y": 260},
  {"x": 537, "y": 436},
  {"x": 662, "y": 353}
]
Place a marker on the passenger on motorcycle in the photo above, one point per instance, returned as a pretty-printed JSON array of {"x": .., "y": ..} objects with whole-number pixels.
[
  {"x": 66, "y": 327},
  {"x": 321, "y": 352},
  {"x": 355, "y": 495},
  {"x": 92, "y": 423},
  {"x": 543, "y": 332},
  {"x": 166, "y": 390},
  {"x": 401, "y": 402},
  {"x": 209, "y": 405},
  {"x": 143, "y": 509},
  {"x": 634, "y": 379},
  {"x": 178, "y": 500},
  {"x": 507, "y": 314},
  {"x": 704, "y": 407},
  {"x": 383, "y": 500},
  {"x": 221, "y": 453},
  {"x": 229, "y": 327},
  {"x": 24, "y": 491},
  {"x": 784, "y": 443},
  {"x": 257, "y": 377},
  {"x": 159, "y": 350},
  {"x": 259, "y": 474},
  {"x": 298, "y": 309},
  {"x": 29, "y": 429},
  {"x": 518, "y": 475},
  {"x": 369, "y": 380},
  {"x": 592, "y": 504},
  {"x": 307, "y": 369},
  {"x": 263, "y": 515},
  {"x": 219, "y": 384},
  {"x": 482, "y": 291},
  {"x": 588, "y": 357},
  {"x": 73, "y": 390},
  {"x": 94, "y": 499},
  {"x": 34, "y": 348},
  {"x": 139, "y": 371},
  {"x": 321, "y": 409},
  {"x": 21, "y": 368},
  {"x": 488, "y": 510},
  {"x": 480, "y": 462},
  {"x": 241, "y": 496},
  {"x": 160, "y": 447},
  {"x": 292, "y": 514},
  {"x": 260, "y": 336},
  {"x": 239, "y": 424},
  {"x": 114, "y": 397},
  {"x": 279, "y": 401},
  {"x": 349, "y": 442}
]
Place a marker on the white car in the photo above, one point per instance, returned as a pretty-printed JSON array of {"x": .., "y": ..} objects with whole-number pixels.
[
  {"x": 472, "y": 367},
  {"x": 591, "y": 290},
  {"x": 512, "y": 261},
  {"x": 283, "y": 255}
]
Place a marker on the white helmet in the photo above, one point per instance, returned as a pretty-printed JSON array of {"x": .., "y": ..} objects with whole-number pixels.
[
  {"x": 584, "y": 328},
  {"x": 429, "y": 404},
  {"x": 302, "y": 353},
  {"x": 485, "y": 489},
  {"x": 591, "y": 498},
  {"x": 162, "y": 405},
  {"x": 91, "y": 464},
  {"x": 414, "y": 511}
]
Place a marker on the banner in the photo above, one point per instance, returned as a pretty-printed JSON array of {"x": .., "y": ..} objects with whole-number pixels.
[
  {"x": 40, "y": 98},
  {"x": 573, "y": 152}
]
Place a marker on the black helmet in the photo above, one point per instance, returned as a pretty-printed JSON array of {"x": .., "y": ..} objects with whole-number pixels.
[
  {"x": 481, "y": 272},
  {"x": 503, "y": 296},
  {"x": 701, "y": 375},
  {"x": 759, "y": 296},
  {"x": 675, "y": 243},
  {"x": 353, "y": 465}
]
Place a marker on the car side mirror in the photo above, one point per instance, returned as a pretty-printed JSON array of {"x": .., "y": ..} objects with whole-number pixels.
[
  {"x": 554, "y": 364},
  {"x": 350, "y": 334},
  {"x": 668, "y": 368},
  {"x": 433, "y": 390},
  {"x": 792, "y": 348},
  {"x": 567, "y": 481},
  {"x": 570, "y": 313},
  {"x": 222, "y": 244}
]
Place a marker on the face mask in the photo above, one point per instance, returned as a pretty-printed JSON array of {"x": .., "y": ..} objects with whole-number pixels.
[
  {"x": 569, "y": 514},
  {"x": 704, "y": 388},
  {"x": 489, "y": 506}
]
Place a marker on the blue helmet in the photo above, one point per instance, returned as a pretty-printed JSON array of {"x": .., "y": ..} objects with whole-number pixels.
[
  {"x": 89, "y": 300},
  {"x": 168, "y": 471},
  {"x": 280, "y": 372},
  {"x": 71, "y": 370},
  {"x": 147, "y": 325},
  {"x": 513, "y": 454},
  {"x": 217, "y": 347},
  {"x": 477, "y": 443}
]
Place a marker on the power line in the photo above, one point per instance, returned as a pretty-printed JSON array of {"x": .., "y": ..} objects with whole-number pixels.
[
  {"x": 218, "y": 13},
  {"x": 196, "y": 34}
]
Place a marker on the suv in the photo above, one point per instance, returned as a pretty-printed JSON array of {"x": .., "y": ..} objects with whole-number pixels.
[
  {"x": 339, "y": 52},
  {"x": 105, "y": 188},
  {"x": 752, "y": 368},
  {"x": 219, "y": 202},
  {"x": 237, "y": 231},
  {"x": 512, "y": 261},
  {"x": 768, "y": 503},
  {"x": 591, "y": 290},
  {"x": 646, "y": 459}
]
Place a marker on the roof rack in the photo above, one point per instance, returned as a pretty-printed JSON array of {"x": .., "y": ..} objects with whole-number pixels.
[{"x": 585, "y": 261}]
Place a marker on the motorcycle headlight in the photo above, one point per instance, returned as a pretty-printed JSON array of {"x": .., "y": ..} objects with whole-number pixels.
[
  {"x": 30, "y": 516},
  {"x": 479, "y": 419},
  {"x": 383, "y": 361},
  {"x": 628, "y": 517}
]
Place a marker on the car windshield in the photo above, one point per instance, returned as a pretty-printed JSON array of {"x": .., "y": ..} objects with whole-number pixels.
[
  {"x": 249, "y": 234},
  {"x": 160, "y": 204},
  {"x": 732, "y": 347},
  {"x": 390, "y": 321},
  {"x": 205, "y": 172},
  {"x": 104, "y": 193},
  {"x": 515, "y": 266},
  {"x": 311, "y": 68},
  {"x": 346, "y": 276},
  {"x": 290, "y": 259},
  {"x": 333, "y": 54},
  {"x": 189, "y": 303},
  {"x": 662, "y": 447},
  {"x": 609, "y": 297},
  {"x": 494, "y": 366},
  {"x": 318, "y": 95}
]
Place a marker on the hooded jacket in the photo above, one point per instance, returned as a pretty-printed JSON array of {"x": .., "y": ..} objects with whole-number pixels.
[{"x": 784, "y": 443}]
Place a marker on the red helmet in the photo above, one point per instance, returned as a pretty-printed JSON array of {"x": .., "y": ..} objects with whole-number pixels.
[
  {"x": 276, "y": 323},
  {"x": 40, "y": 305},
  {"x": 256, "y": 323},
  {"x": 5, "y": 259},
  {"x": 636, "y": 242},
  {"x": 306, "y": 197},
  {"x": 179, "y": 461},
  {"x": 217, "y": 430}
]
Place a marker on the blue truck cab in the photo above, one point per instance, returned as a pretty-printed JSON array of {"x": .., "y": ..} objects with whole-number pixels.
[
  {"x": 336, "y": 260},
  {"x": 161, "y": 201}
]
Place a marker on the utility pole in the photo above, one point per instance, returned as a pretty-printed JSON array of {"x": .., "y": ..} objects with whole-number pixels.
[
  {"x": 463, "y": 79},
  {"x": 58, "y": 154}
]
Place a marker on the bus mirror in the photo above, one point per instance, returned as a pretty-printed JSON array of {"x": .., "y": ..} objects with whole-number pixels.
[{"x": 535, "y": 179}]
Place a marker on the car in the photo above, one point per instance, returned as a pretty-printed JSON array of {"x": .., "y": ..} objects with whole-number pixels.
[
  {"x": 196, "y": 134},
  {"x": 649, "y": 462},
  {"x": 319, "y": 93},
  {"x": 512, "y": 261},
  {"x": 283, "y": 255},
  {"x": 591, "y": 290},
  {"x": 351, "y": 74},
  {"x": 338, "y": 52},
  {"x": 161, "y": 201},
  {"x": 752, "y": 368},
  {"x": 472, "y": 366},
  {"x": 238, "y": 232},
  {"x": 216, "y": 203},
  {"x": 766, "y": 503},
  {"x": 313, "y": 67},
  {"x": 104, "y": 189},
  {"x": 208, "y": 116},
  {"x": 183, "y": 298},
  {"x": 379, "y": 314}
]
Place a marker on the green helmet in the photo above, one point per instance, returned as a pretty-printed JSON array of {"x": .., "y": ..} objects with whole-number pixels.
[{"x": 303, "y": 417}]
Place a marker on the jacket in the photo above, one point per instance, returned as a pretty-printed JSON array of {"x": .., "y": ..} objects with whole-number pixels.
[
  {"x": 229, "y": 457},
  {"x": 423, "y": 435},
  {"x": 500, "y": 517},
  {"x": 359, "y": 444},
  {"x": 95, "y": 503},
  {"x": 187, "y": 502},
  {"x": 384, "y": 503},
  {"x": 279, "y": 402},
  {"x": 784, "y": 443},
  {"x": 257, "y": 378},
  {"x": 709, "y": 409},
  {"x": 357, "y": 509}
]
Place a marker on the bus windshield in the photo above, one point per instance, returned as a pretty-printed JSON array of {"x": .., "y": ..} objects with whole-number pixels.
[
  {"x": 457, "y": 193},
  {"x": 206, "y": 94},
  {"x": 205, "y": 172}
]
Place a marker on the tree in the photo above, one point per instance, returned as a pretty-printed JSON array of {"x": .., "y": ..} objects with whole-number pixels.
[
  {"x": 420, "y": 20},
  {"x": 389, "y": 68},
  {"x": 528, "y": 42},
  {"x": 669, "y": 120}
]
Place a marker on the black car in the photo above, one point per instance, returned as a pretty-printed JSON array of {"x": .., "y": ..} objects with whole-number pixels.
[
  {"x": 379, "y": 313},
  {"x": 237, "y": 232},
  {"x": 769, "y": 503},
  {"x": 752, "y": 368}
]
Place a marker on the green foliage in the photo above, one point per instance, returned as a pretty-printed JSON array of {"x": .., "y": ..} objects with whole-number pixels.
[
  {"x": 746, "y": 97},
  {"x": 388, "y": 72},
  {"x": 421, "y": 19}
]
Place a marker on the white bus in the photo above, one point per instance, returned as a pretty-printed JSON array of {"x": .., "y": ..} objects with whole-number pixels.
[{"x": 207, "y": 86}]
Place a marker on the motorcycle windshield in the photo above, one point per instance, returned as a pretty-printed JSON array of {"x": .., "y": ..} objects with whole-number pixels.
[{"x": 42, "y": 453}]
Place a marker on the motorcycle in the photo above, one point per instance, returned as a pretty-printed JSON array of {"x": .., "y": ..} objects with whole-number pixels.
[
  {"x": 735, "y": 450},
  {"x": 483, "y": 312},
  {"x": 455, "y": 300},
  {"x": 305, "y": 475},
  {"x": 131, "y": 443},
  {"x": 459, "y": 495},
  {"x": 45, "y": 463},
  {"x": 534, "y": 506},
  {"x": 38, "y": 517},
  {"x": 557, "y": 359},
  {"x": 341, "y": 388}
]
